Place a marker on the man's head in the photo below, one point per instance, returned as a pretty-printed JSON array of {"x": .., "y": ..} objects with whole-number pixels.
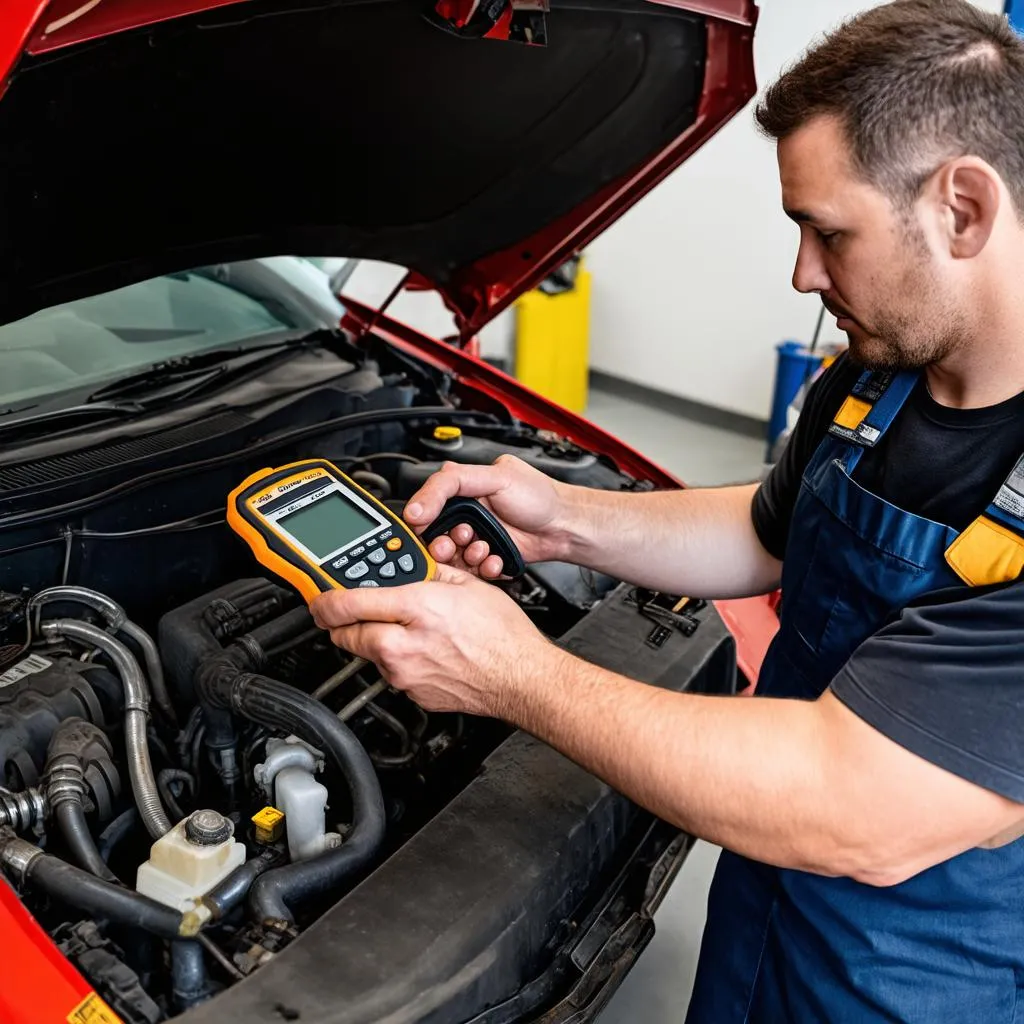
[{"x": 901, "y": 152}]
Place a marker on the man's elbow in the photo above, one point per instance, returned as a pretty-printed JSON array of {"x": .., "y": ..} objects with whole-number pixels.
[
  {"x": 885, "y": 874},
  {"x": 869, "y": 860}
]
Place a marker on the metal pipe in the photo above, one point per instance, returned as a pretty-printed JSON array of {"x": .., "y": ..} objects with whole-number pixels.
[
  {"x": 154, "y": 669},
  {"x": 333, "y": 682},
  {"x": 358, "y": 703},
  {"x": 107, "y": 607},
  {"x": 118, "y": 620},
  {"x": 140, "y": 768},
  {"x": 220, "y": 956}
]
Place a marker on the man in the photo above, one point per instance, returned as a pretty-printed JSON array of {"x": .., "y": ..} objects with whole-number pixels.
[{"x": 873, "y": 869}]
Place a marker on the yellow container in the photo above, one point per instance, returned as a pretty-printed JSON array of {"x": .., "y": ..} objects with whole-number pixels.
[{"x": 552, "y": 343}]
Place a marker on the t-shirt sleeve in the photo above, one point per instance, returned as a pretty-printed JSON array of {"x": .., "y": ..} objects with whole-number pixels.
[
  {"x": 946, "y": 681},
  {"x": 772, "y": 508}
]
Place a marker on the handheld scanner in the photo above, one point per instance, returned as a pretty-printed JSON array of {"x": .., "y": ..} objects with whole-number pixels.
[{"x": 313, "y": 526}]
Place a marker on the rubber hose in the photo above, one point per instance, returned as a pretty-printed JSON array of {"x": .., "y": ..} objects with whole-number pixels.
[
  {"x": 120, "y": 827},
  {"x": 71, "y": 820},
  {"x": 190, "y": 984},
  {"x": 279, "y": 706},
  {"x": 223, "y": 898},
  {"x": 78, "y": 888},
  {"x": 278, "y": 630},
  {"x": 140, "y": 768}
]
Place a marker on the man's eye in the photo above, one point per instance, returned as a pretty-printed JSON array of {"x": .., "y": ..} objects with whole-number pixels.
[{"x": 828, "y": 238}]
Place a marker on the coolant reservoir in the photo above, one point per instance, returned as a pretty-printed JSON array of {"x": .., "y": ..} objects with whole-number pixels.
[{"x": 190, "y": 860}]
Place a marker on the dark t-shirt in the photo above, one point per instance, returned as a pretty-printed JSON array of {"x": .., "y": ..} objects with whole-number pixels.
[{"x": 945, "y": 679}]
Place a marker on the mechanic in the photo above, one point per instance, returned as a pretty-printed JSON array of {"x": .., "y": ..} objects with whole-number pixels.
[{"x": 873, "y": 868}]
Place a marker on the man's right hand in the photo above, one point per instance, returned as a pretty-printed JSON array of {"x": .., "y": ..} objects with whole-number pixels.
[{"x": 530, "y": 504}]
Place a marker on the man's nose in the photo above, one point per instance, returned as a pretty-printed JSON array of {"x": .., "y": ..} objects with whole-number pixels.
[{"x": 809, "y": 274}]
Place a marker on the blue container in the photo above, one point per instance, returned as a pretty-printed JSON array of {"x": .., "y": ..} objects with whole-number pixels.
[
  {"x": 795, "y": 365},
  {"x": 1014, "y": 11}
]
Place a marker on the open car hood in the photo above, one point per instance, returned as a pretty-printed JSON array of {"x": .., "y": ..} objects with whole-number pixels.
[{"x": 147, "y": 136}]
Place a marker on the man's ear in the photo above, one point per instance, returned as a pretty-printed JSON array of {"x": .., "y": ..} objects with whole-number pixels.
[{"x": 969, "y": 195}]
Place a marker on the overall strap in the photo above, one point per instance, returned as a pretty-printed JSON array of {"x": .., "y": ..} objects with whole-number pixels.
[
  {"x": 873, "y": 403},
  {"x": 991, "y": 549}
]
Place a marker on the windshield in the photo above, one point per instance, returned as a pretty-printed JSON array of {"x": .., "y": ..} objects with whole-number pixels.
[{"x": 109, "y": 335}]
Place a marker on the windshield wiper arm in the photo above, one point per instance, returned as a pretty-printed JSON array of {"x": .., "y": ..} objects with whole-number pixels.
[
  {"x": 199, "y": 369},
  {"x": 56, "y": 420}
]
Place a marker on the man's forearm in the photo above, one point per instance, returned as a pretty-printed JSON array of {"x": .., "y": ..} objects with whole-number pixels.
[
  {"x": 698, "y": 542},
  {"x": 799, "y": 784},
  {"x": 739, "y": 772}
]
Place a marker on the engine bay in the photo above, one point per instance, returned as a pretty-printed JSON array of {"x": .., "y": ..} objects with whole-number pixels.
[{"x": 192, "y": 774}]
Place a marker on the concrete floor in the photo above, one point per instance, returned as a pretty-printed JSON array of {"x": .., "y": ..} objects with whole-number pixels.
[{"x": 658, "y": 988}]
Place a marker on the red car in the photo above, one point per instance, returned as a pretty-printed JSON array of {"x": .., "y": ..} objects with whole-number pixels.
[{"x": 151, "y": 676}]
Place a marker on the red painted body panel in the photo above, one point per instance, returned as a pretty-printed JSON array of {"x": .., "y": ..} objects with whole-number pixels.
[
  {"x": 37, "y": 985},
  {"x": 480, "y": 291}
]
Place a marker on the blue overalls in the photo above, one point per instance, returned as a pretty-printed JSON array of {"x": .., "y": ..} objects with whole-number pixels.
[{"x": 788, "y": 947}]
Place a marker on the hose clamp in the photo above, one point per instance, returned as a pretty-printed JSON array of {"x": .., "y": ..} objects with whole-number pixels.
[
  {"x": 253, "y": 650},
  {"x": 65, "y": 781},
  {"x": 17, "y": 856}
]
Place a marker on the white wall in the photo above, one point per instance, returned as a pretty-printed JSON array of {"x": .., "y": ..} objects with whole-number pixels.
[{"x": 692, "y": 287}]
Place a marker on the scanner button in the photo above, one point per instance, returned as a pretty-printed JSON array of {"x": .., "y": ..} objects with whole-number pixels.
[
  {"x": 387, "y": 571},
  {"x": 377, "y": 556},
  {"x": 394, "y": 544},
  {"x": 358, "y": 570},
  {"x": 405, "y": 563}
]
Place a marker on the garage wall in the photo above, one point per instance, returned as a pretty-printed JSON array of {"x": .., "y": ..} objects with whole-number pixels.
[{"x": 692, "y": 287}]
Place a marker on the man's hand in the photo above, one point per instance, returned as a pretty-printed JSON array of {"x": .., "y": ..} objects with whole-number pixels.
[
  {"x": 452, "y": 644},
  {"x": 530, "y": 505}
]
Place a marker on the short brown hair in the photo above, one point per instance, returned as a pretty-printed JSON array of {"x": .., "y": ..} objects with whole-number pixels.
[{"x": 913, "y": 83}]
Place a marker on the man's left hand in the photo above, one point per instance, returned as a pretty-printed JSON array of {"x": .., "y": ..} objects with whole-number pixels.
[{"x": 454, "y": 643}]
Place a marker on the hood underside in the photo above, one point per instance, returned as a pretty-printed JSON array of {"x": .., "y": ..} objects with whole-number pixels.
[{"x": 349, "y": 127}]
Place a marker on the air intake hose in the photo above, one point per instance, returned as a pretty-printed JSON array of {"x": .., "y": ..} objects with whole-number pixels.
[
  {"x": 225, "y": 682},
  {"x": 79, "y": 752}
]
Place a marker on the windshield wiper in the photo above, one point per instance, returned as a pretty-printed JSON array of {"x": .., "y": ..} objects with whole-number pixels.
[
  {"x": 202, "y": 368},
  {"x": 59, "y": 420},
  {"x": 157, "y": 386}
]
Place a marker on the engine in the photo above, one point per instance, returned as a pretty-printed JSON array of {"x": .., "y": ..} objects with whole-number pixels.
[{"x": 183, "y": 794}]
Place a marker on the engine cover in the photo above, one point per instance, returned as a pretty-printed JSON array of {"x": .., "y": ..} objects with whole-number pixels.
[{"x": 36, "y": 695}]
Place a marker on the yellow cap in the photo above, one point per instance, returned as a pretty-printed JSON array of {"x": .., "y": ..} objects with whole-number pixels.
[
  {"x": 269, "y": 824},
  {"x": 447, "y": 433}
]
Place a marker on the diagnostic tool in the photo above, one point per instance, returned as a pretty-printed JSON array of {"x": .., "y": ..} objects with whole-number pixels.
[{"x": 319, "y": 530}]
